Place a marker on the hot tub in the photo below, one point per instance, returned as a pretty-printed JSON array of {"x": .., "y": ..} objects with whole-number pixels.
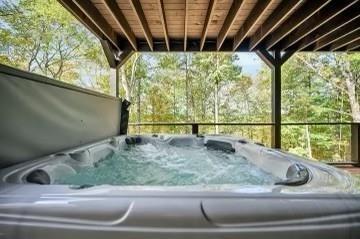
[{"x": 166, "y": 186}]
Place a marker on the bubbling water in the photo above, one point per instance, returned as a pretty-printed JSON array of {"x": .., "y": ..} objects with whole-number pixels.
[{"x": 166, "y": 165}]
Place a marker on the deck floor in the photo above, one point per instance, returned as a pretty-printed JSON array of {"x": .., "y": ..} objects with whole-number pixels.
[{"x": 351, "y": 169}]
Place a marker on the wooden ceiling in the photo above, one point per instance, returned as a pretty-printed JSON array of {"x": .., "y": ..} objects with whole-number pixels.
[{"x": 221, "y": 25}]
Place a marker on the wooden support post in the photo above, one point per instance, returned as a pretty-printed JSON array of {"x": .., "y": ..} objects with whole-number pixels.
[
  {"x": 195, "y": 129},
  {"x": 276, "y": 101},
  {"x": 275, "y": 62},
  {"x": 355, "y": 143}
]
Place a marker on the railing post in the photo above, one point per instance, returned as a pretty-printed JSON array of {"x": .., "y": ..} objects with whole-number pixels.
[
  {"x": 194, "y": 128},
  {"x": 355, "y": 142}
]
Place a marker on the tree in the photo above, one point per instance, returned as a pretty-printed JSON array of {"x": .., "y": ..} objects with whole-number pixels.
[
  {"x": 44, "y": 38},
  {"x": 317, "y": 88}
]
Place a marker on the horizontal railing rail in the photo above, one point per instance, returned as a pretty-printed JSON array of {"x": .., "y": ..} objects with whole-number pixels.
[
  {"x": 240, "y": 123},
  {"x": 318, "y": 123},
  {"x": 195, "y": 126},
  {"x": 198, "y": 123}
]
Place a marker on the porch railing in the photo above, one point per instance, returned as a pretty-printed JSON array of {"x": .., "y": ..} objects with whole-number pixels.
[{"x": 354, "y": 141}]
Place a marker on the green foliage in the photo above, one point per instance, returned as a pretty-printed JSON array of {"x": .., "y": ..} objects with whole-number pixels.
[
  {"x": 180, "y": 87},
  {"x": 42, "y": 37},
  {"x": 318, "y": 88}
]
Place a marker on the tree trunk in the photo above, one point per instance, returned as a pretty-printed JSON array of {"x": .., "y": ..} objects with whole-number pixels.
[
  {"x": 192, "y": 102},
  {"x": 138, "y": 105},
  {"x": 350, "y": 84},
  {"x": 217, "y": 97},
  {"x": 307, "y": 131},
  {"x": 125, "y": 84},
  {"x": 129, "y": 85},
  {"x": 354, "y": 104},
  {"x": 186, "y": 88},
  {"x": 152, "y": 116},
  {"x": 203, "y": 106},
  {"x": 308, "y": 141},
  {"x": 340, "y": 126},
  {"x": 112, "y": 82},
  {"x": 216, "y": 106},
  {"x": 174, "y": 100}
]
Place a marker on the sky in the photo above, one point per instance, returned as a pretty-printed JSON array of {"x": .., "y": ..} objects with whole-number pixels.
[{"x": 249, "y": 62}]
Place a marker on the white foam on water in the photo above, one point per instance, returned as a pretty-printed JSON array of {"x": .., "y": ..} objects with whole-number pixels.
[{"x": 166, "y": 165}]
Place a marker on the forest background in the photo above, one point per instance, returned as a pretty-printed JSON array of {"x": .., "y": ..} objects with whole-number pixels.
[{"x": 40, "y": 36}]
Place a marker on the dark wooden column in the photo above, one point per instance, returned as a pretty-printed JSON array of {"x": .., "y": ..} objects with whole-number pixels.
[
  {"x": 355, "y": 143},
  {"x": 195, "y": 129},
  {"x": 276, "y": 101},
  {"x": 275, "y": 61}
]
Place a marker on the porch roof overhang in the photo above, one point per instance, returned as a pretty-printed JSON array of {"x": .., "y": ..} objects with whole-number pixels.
[{"x": 127, "y": 26}]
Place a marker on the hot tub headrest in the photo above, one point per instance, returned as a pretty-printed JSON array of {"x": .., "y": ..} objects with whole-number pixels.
[
  {"x": 130, "y": 140},
  {"x": 220, "y": 145}
]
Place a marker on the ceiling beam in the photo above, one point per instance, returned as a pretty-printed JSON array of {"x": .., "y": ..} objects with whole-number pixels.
[
  {"x": 299, "y": 17},
  {"x": 268, "y": 59},
  {"x": 317, "y": 20},
  {"x": 229, "y": 20},
  {"x": 81, "y": 17},
  {"x": 193, "y": 45},
  {"x": 209, "y": 14},
  {"x": 120, "y": 20},
  {"x": 274, "y": 59},
  {"x": 273, "y": 21},
  {"x": 139, "y": 13},
  {"x": 348, "y": 39},
  {"x": 331, "y": 26},
  {"x": 97, "y": 19},
  {"x": 353, "y": 46},
  {"x": 186, "y": 24},
  {"x": 251, "y": 20},
  {"x": 338, "y": 34},
  {"x": 163, "y": 22}
]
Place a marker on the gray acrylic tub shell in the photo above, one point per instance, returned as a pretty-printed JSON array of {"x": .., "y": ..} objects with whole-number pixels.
[{"x": 325, "y": 207}]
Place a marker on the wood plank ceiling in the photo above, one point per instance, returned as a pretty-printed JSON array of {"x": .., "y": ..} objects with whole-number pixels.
[{"x": 221, "y": 25}]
